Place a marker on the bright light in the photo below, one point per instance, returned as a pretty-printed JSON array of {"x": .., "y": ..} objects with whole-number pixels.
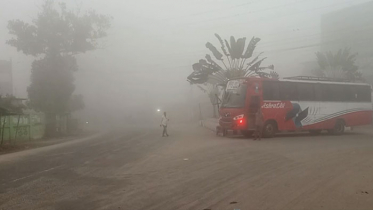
[
  {"x": 158, "y": 110},
  {"x": 241, "y": 121},
  {"x": 86, "y": 122}
]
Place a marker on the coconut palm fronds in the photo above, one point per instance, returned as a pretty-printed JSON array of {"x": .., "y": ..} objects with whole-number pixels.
[{"x": 340, "y": 64}]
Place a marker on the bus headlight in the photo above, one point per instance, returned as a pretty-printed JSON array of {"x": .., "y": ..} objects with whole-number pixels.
[{"x": 238, "y": 117}]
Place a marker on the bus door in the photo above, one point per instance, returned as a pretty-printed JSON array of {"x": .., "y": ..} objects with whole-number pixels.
[{"x": 253, "y": 109}]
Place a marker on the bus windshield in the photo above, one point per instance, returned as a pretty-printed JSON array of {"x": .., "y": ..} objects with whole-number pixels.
[{"x": 235, "y": 98}]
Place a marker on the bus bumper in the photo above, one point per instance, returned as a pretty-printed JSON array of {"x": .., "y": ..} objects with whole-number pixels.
[{"x": 232, "y": 125}]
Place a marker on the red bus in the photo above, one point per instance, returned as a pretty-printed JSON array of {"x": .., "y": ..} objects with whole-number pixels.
[{"x": 295, "y": 104}]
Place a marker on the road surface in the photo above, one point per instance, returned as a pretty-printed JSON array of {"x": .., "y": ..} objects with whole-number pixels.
[{"x": 136, "y": 169}]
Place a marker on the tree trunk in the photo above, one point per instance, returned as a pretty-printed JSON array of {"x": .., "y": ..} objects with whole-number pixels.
[
  {"x": 17, "y": 128},
  {"x": 50, "y": 128},
  {"x": 3, "y": 130}
]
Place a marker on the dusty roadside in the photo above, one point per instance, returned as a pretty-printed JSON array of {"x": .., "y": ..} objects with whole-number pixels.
[
  {"x": 192, "y": 169},
  {"x": 8, "y": 148}
]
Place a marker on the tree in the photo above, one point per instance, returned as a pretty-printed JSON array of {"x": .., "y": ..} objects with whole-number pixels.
[
  {"x": 236, "y": 63},
  {"x": 52, "y": 84},
  {"x": 11, "y": 105},
  {"x": 54, "y": 37},
  {"x": 213, "y": 94},
  {"x": 340, "y": 65},
  {"x": 76, "y": 103}
]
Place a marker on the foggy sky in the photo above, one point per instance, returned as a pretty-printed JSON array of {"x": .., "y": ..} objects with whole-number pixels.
[{"x": 153, "y": 43}]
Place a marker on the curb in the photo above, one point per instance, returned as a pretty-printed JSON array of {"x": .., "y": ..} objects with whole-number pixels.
[
  {"x": 21, "y": 154},
  {"x": 203, "y": 124}
]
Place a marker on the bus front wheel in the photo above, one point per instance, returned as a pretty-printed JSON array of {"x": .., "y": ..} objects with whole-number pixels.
[{"x": 269, "y": 129}]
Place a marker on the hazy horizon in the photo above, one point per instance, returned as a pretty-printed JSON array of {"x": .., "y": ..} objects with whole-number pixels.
[{"x": 151, "y": 45}]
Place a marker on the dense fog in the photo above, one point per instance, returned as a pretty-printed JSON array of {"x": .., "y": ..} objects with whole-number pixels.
[{"x": 142, "y": 64}]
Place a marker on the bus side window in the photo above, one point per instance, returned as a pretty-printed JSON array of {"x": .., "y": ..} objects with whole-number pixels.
[
  {"x": 288, "y": 91},
  {"x": 275, "y": 91},
  {"x": 267, "y": 90},
  {"x": 270, "y": 91},
  {"x": 326, "y": 93},
  {"x": 368, "y": 94},
  {"x": 364, "y": 93},
  {"x": 348, "y": 93},
  {"x": 355, "y": 94},
  {"x": 337, "y": 93},
  {"x": 306, "y": 92},
  {"x": 318, "y": 92}
]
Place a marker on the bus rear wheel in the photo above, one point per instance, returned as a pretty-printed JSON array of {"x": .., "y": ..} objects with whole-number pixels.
[
  {"x": 339, "y": 128},
  {"x": 269, "y": 129}
]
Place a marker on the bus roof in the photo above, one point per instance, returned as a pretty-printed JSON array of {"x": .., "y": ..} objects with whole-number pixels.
[
  {"x": 323, "y": 82},
  {"x": 301, "y": 81}
]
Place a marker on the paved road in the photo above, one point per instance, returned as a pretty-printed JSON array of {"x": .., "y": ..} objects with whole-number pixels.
[{"x": 192, "y": 169}]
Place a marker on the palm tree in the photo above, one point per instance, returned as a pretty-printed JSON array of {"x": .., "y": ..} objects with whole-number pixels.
[
  {"x": 340, "y": 65},
  {"x": 236, "y": 63}
]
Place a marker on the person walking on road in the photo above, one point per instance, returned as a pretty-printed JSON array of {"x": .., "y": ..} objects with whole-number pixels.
[
  {"x": 259, "y": 120},
  {"x": 164, "y": 122}
]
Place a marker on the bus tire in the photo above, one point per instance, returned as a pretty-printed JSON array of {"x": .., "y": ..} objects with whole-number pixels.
[
  {"x": 247, "y": 133},
  {"x": 269, "y": 129},
  {"x": 339, "y": 128}
]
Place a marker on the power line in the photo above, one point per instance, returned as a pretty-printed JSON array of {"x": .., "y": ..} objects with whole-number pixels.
[
  {"x": 317, "y": 44},
  {"x": 318, "y": 34},
  {"x": 265, "y": 44},
  {"x": 258, "y": 20},
  {"x": 290, "y": 49},
  {"x": 291, "y": 39},
  {"x": 284, "y": 32},
  {"x": 211, "y": 11},
  {"x": 309, "y": 46},
  {"x": 257, "y": 11}
]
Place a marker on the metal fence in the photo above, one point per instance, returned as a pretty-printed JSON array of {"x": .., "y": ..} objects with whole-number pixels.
[{"x": 22, "y": 127}]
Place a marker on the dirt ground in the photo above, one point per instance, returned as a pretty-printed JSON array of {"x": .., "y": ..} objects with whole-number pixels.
[
  {"x": 21, "y": 145},
  {"x": 193, "y": 169}
]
